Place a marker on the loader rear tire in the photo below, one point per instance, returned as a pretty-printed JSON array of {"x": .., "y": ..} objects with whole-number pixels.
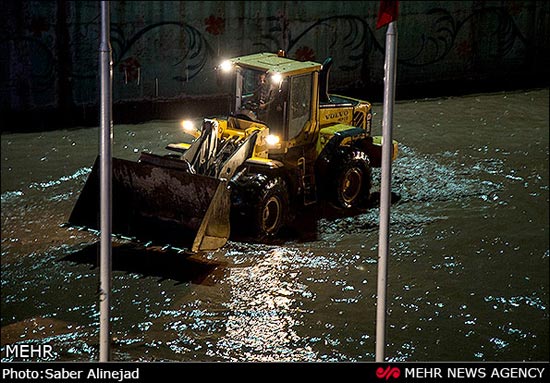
[{"x": 351, "y": 181}]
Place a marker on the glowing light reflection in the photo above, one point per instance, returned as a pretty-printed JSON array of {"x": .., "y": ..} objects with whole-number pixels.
[{"x": 260, "y": 324}]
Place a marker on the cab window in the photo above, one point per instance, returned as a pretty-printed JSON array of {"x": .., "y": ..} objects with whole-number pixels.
[{"x": 300, "y": 104}]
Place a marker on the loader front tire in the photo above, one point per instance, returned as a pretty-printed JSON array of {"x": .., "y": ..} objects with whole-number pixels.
[
  {"x": 270, "y": 209},
  {"x": 260, "y": 206}
]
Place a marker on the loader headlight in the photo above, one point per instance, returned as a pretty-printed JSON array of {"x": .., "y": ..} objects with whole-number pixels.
[
  {"x": 189, "y": 128},
  {"x": 226, "y": 66},
  {"x": 272, "y": 140},
  {"x": 276, "y": 78}
]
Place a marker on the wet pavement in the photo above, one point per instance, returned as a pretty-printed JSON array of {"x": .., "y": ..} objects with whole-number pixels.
[{"x": 468, "y": 270}]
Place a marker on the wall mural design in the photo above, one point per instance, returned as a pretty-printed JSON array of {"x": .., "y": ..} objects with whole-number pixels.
[
  {"x": 194, "y": 53},
  {"x": 178, "y": 54},
  {"x": 445, "y": 30}
]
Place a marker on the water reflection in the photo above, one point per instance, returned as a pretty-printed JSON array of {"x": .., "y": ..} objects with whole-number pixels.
[
  {"x": 262, "y": 306},
  {"x": 163, "y": 263}
]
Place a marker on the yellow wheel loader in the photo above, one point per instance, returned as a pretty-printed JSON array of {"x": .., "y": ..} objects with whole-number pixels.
[{"x": 286, "y": 143}]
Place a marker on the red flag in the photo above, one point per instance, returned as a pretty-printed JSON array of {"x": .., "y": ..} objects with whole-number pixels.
[{"x": 387, "y": 12}]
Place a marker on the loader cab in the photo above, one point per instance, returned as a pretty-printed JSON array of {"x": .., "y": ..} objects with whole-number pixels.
[
  {"x": 277, "y": 92},
  {"x": 262, "y": 97},
  {"x": 282, "y": 103}
]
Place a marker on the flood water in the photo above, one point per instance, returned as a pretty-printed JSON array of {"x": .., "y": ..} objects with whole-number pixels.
[{"x": 468, "y": 268}]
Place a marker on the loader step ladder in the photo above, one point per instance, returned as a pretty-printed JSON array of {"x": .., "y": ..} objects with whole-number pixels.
[{"x": 308, "y": 183}]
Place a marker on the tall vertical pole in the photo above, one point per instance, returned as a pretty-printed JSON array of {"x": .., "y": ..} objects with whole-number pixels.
[
  {"x": 105, "y": 146},
  {"x": 385, "y": 189}
]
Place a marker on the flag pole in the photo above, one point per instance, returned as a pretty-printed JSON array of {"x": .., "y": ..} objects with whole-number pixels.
[
  {"x": 385, "y": 189},
  {"x": 105, "y": 146}
]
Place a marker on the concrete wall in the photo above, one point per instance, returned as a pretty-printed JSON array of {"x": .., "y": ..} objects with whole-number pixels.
[{"x": 166, "y": 50}]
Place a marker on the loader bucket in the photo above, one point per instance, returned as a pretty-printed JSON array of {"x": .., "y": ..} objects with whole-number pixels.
[{"x": 163, "y": 204}]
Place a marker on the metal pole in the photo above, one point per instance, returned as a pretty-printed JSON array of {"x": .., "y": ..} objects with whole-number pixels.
[
  {"x": 106, "y": 133},
  {"x": 385, "y": 189}
]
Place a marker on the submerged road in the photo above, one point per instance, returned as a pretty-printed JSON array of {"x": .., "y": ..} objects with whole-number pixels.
[{"x": 468, "y": 268}]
